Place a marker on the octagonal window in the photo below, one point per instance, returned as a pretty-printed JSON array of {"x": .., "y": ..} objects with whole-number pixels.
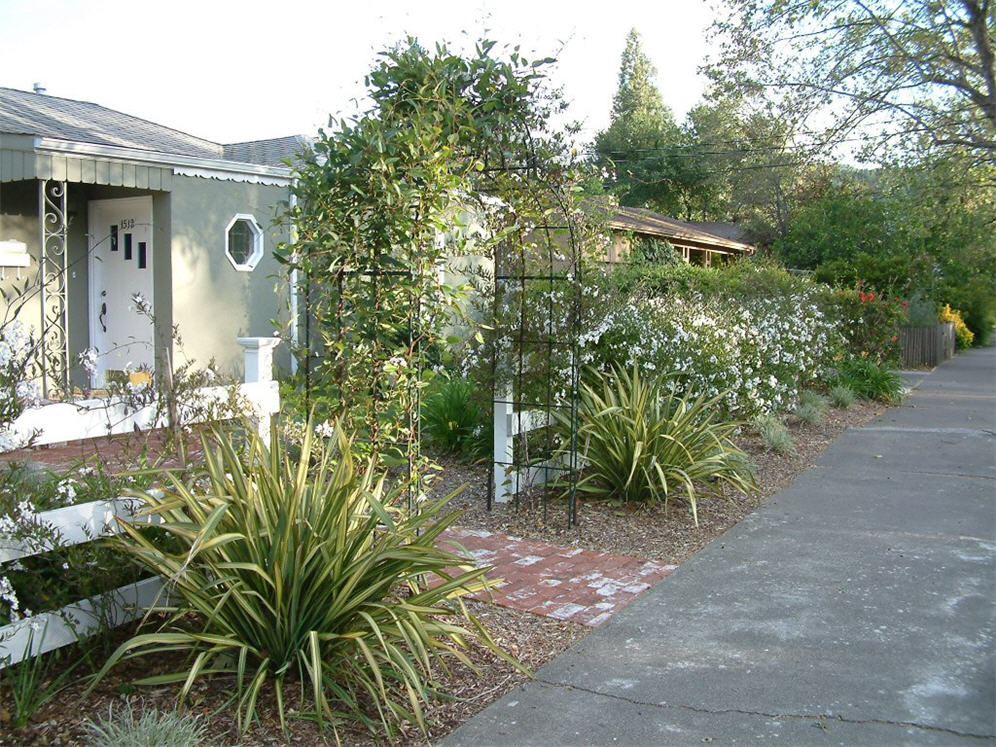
[{"x": 243, "y": 242}]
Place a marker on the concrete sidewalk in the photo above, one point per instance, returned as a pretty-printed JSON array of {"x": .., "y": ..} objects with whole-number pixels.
[{"x": 855, "y": 607}]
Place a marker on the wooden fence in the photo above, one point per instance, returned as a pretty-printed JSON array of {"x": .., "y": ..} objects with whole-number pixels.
[
  {"x": 927, "y": 346},
  {"x": 87, "y": 522}
]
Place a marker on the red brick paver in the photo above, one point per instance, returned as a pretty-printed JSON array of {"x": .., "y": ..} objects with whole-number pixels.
[{"x": 564, "y": 583}]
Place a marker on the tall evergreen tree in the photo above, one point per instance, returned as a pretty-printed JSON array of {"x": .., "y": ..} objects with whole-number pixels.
[{"x": 643, "y": 150}]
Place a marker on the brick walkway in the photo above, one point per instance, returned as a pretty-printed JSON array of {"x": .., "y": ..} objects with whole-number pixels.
[{"x": 575, "y": 584}]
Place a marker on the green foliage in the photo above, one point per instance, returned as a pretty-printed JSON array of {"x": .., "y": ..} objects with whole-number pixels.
[
  {"x": 35, "y": 680},
  {"x": 385, "y": 207},
  {"x": 304, "y": 570},
  {"x": 976, "y": 300},
  {"x": 870, "y": 323},
  {"x": 654, "y": 251},
  {"x": 871, "y": 380},
  {"x": 811, "y": 406},
  {"x": 842, "y": 396},
  {"x": 452, "y": 419},
  {"x": 773, "y": 433},
  {"x": 921, "y": 312},
  {"x": 640, "y": 442},
  {"x": 150, "y": 728},
  {"x": 642, "y": 147},
  {"x": 919, "y": 232},
  {"x": 855, "y": 234}
]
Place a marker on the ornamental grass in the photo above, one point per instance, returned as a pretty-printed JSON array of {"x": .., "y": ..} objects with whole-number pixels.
[
  {"x": 305, "y": 571},
  {"x": 641, "y": 442}
]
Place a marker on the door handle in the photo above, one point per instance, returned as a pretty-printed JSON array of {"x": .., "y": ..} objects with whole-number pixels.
[{"x": 103, "y": 314}]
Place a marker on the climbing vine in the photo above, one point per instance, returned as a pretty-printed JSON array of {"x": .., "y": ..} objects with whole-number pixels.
[{"x": 455, "y": 158}]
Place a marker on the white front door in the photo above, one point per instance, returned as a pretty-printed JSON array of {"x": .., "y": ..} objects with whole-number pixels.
[{"x": 120, "y": 261}]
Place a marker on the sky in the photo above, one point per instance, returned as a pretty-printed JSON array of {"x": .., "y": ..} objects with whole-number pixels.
[{"x": 236, "y": 71}]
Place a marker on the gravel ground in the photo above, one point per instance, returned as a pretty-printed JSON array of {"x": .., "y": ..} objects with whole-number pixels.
[{"x": 641, "y": 531}]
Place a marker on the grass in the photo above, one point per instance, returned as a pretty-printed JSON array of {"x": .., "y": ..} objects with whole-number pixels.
[
  {"x": 773, "y": 432},
  {"x": 842, "y": 396},
  {"x": 150, "y": 728}
]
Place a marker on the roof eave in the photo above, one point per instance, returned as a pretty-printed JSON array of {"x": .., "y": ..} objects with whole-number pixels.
[
  {"x": 279, "y": 174},
  {"x": 697, "y": 238}
]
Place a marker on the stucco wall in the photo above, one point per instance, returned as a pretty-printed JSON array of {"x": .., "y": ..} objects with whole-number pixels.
[
  {"x": 213, "y": 303},
  {"x": 19, "y": 222}
]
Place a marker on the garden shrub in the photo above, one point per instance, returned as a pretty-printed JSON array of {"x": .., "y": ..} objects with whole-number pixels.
[
  {"x": 453, "y": 420},
  {"x": 808, "y": 413},
  {"x": 963, "y": 335},
  {"x": 870, "y": 323},
  {"x": 841, "y": 396},
  {"x": 773, "y": 433},
  {"x": 305, "y": 570},
  {"x": 757, "y": 352},
  {"x": 811, "y": 406},
  {"x": 871, "y": 380},
  {"x": 642, "y": 442},
  {"x": 749, "y": 330},
  {"x": 57, "y": 575}
]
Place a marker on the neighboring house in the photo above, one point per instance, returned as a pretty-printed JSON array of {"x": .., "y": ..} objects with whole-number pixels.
[
  {"x": 97, "y": 206},
  {"x": 698, "y": 243}
]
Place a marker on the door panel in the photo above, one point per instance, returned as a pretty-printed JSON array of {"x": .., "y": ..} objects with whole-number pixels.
[{"x": 120, "y": 261}]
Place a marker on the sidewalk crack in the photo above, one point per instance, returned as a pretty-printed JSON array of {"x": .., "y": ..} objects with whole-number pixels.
[{"x": 763, "y": 714}]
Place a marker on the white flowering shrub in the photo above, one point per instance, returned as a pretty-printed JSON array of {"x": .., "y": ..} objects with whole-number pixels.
[
  {"x": 17, "y": 391},
  {"x": 758, "y": 352},
  {"x": 750, "y": 332},
  {"x": 57, "y": 575}
]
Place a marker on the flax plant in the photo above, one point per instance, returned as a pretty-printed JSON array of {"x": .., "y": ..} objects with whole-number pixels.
[
  {"x": 641, "y": 442},
  {"x": 305, "y": 570}
]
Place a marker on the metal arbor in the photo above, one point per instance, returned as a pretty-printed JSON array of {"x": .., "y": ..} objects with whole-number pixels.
[{"x": 535, "y": 356}]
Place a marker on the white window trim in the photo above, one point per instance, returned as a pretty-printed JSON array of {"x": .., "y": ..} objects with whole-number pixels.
[{"x": 257, "y": 242}]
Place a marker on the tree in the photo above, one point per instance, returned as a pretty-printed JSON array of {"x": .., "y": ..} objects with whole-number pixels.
[
  {"x": 752, "y": 173},
  {"x": 643, "y": 149},
  {"x": 880, "y": 70},
  {"x": 922, "y": 231}
]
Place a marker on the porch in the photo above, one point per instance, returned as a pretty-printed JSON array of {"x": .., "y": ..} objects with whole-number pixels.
[{"x": 79, "y": 237}]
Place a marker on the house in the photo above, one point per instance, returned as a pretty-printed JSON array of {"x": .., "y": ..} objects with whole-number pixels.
[
  {"x": 113, "y": 229},
  {"x": 697, "y": 242}
]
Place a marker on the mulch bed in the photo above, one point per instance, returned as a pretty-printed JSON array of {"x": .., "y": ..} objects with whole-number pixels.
[
  {"x": 647, "y": 531},
  {"x": 639, "y": 531}
]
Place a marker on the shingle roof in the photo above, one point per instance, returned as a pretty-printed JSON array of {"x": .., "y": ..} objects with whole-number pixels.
[
  {"x": 37, "y": 114},
  {"x": 725, "y": 230},
  {"x": 41, "y": 115},
  {"x": 642, "y": 220},
  {"x": 271, "y": 152}
]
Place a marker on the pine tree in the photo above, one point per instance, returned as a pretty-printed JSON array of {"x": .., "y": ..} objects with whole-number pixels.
[
  {"x": 642, "y": 147},
  {"x": 637, "y": 98}
]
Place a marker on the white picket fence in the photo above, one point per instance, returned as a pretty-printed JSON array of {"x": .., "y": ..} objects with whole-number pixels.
[
  {"x": 509, "y": 478},
  {"x": 89, "y": 521}
]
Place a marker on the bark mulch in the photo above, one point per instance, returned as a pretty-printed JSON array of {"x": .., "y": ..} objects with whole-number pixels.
[{"x": 643, "y": 532}]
